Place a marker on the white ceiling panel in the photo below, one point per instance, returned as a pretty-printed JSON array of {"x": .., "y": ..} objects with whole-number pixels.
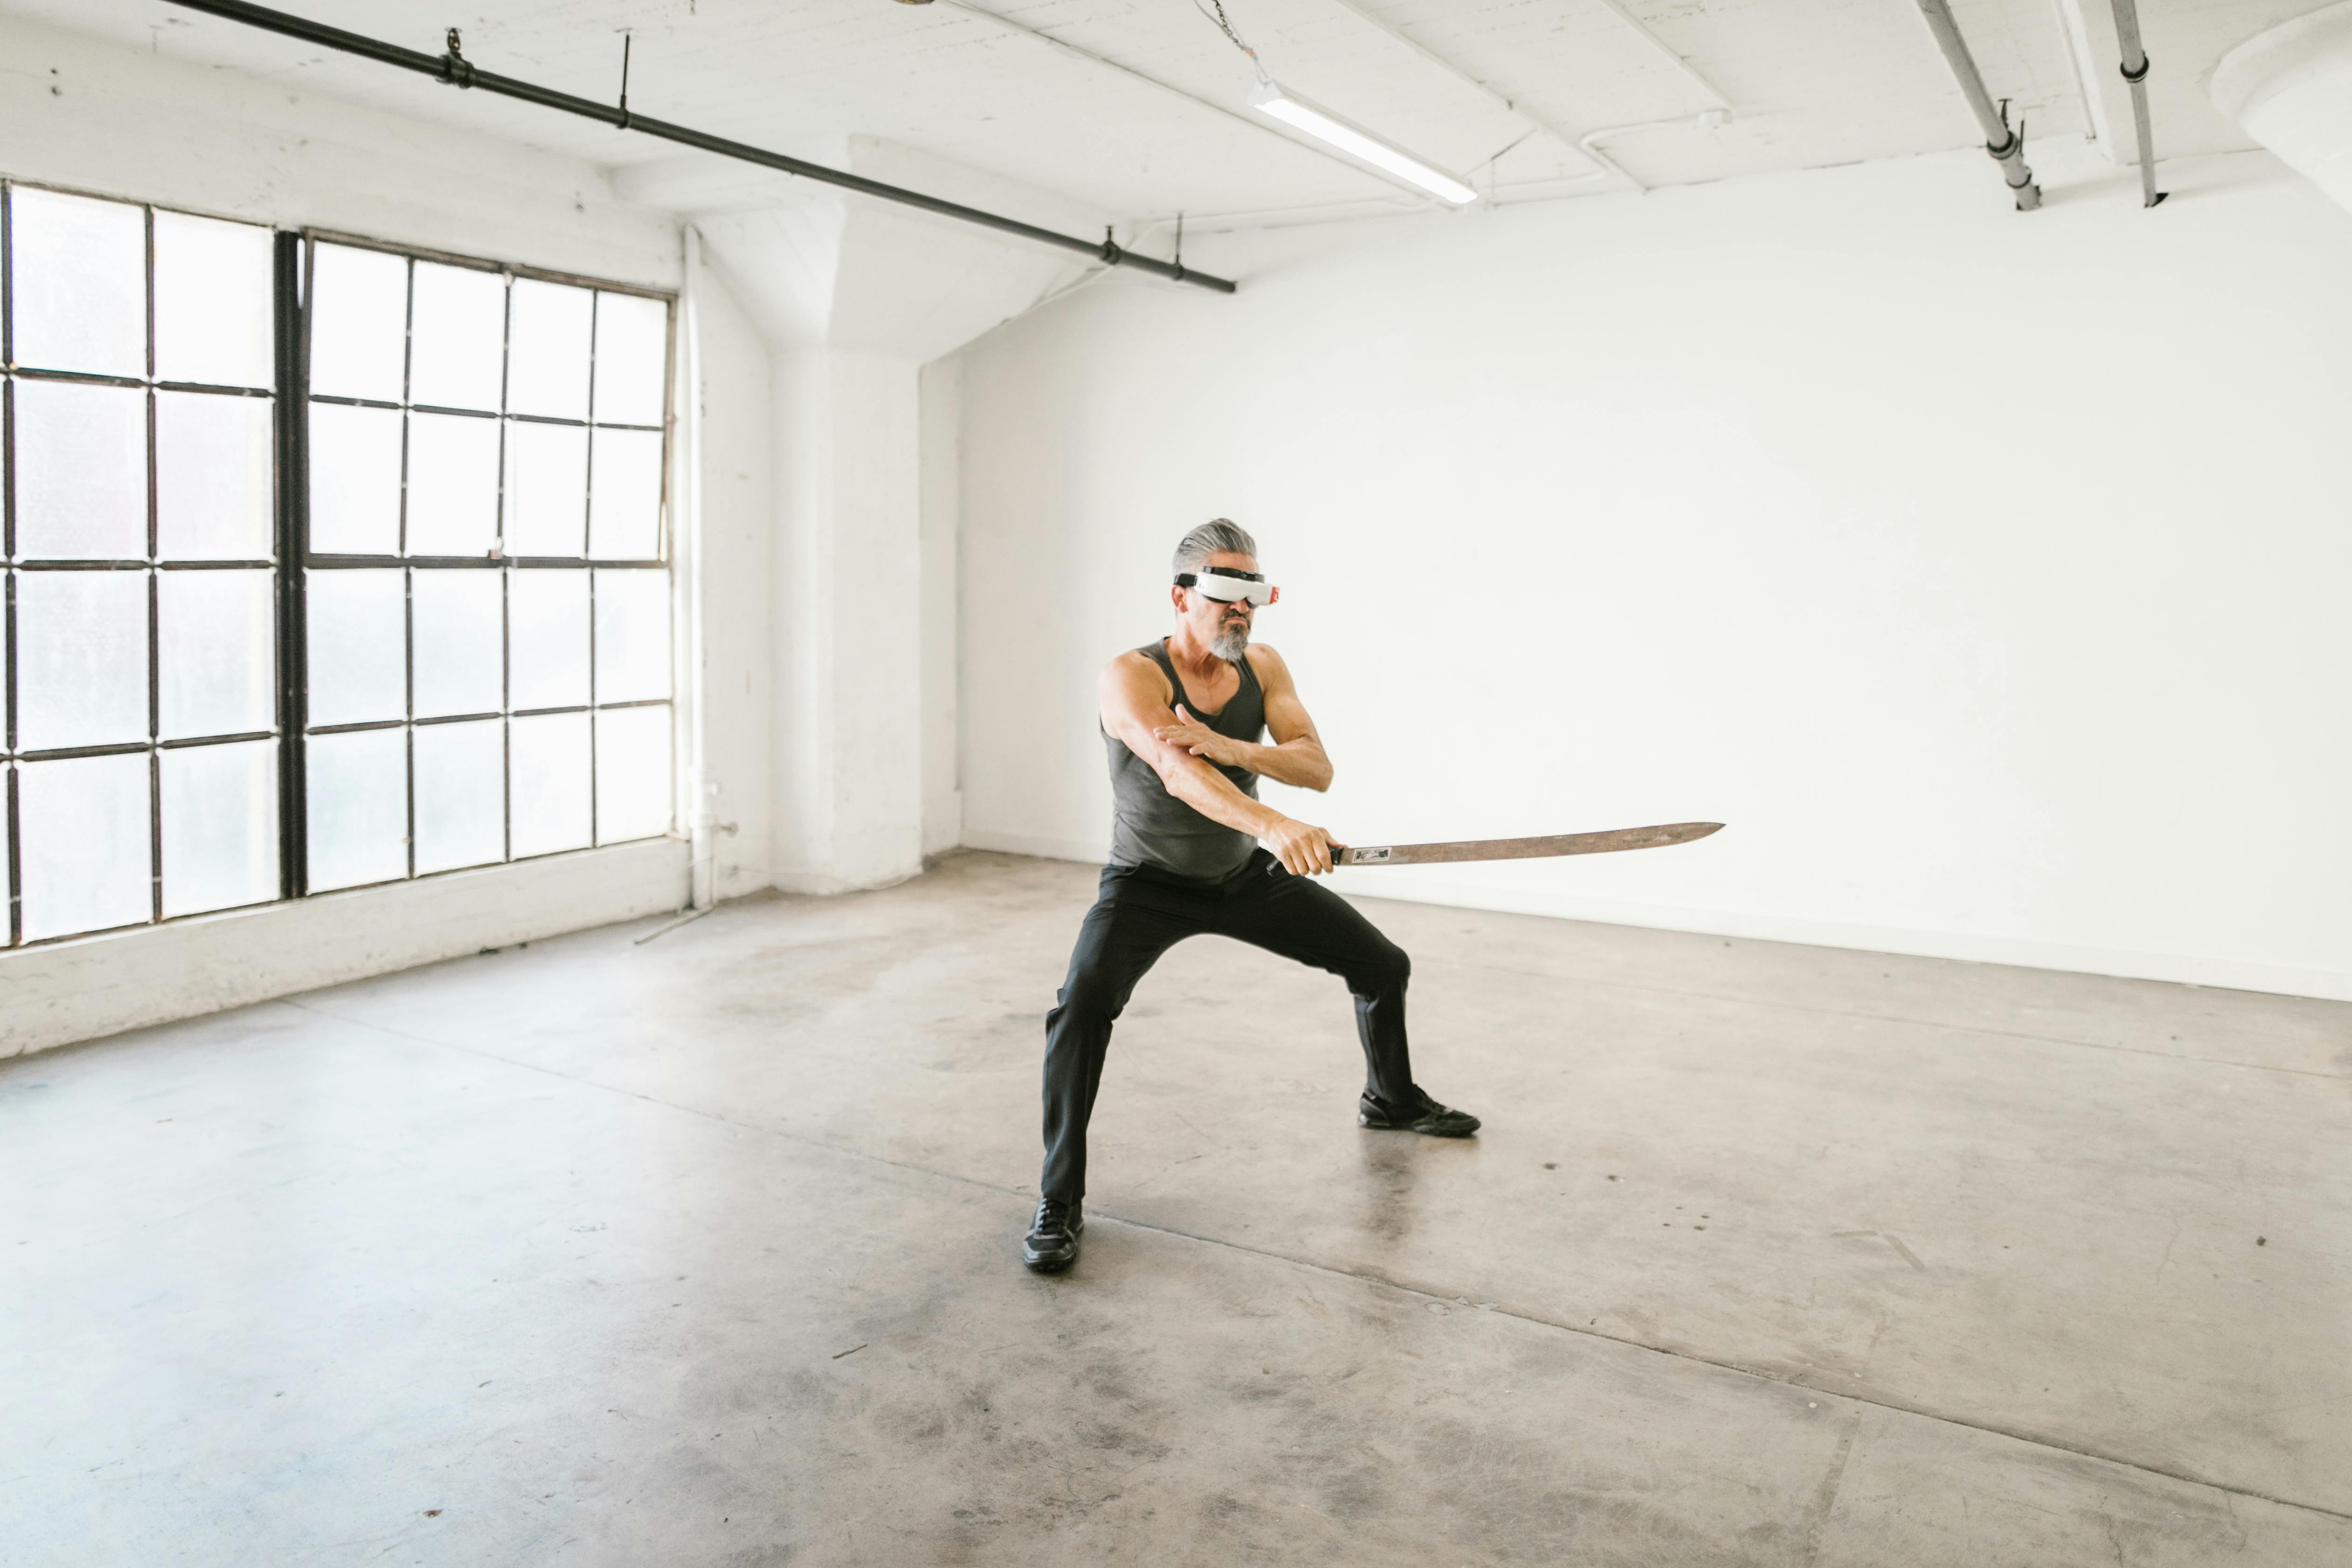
[{"x": 1139, "y": 106}]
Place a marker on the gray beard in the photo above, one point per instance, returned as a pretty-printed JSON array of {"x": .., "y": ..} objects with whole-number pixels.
[{"x": 1231, "y": 643}]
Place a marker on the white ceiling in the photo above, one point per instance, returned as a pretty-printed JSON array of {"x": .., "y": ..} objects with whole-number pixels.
[{"x": 1157, "y": 121}]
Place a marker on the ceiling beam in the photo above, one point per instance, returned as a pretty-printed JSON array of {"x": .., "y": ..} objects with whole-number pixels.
[
  {"x": 1263, "y": 127},
  {"x": 1493, "y": 93},
  {"x": 1672, "y": 58},
  {"x": 1603, "y": 165}
]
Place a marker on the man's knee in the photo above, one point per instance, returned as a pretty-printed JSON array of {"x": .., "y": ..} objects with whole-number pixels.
[
  {"x": 1087, "y": 997},
  {"x": 1385, "y": 968}
]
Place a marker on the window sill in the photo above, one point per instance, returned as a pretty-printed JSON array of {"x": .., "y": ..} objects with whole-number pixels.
[{"x": 81, "y": 989}]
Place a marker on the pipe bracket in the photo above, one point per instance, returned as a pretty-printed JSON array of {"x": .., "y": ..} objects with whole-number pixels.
[{"x": 456, "y": 70}]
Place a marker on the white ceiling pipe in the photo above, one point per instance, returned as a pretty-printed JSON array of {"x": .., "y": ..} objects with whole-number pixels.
[
  {"x": 2290, "y": 89},
  {"x": 2003, "y": 145},
  {"x": 2135, "y": 68}
]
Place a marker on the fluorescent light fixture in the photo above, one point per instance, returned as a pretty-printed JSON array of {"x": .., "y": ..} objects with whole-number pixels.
[{"x": 1271, "y": 98}]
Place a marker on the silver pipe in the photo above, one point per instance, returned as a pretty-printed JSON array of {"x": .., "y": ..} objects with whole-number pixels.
[
  {"x": 2005, "y": 146},
  {"x": 2135, "y": 72}
]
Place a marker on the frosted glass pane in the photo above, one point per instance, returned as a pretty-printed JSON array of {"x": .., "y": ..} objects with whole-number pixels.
[
  {"x": 354, "y": 480},
  {"x": 359, "y": 323},
  {"x": 457, "y": 337},
  {"x": 632, "y": 359},
  {"x": 461, "y": 795},
  {"x": 87, "y": 844},
  {"x": 547, "y": 638},
  {"x": 549, "y": 756},
  {"x": 547, "y": 350},
  {"x": 81, "y": 472},
  {"x": 632, "y": 774},
  {"x": 214, "y": 466},
  {"x": 631, "y": 636},
  {"x": 81, "y": 658},
  {"x": 625, "y": 485},
  {"x": 547, "y": 488},
  {"x": 80, "y": 276},
  {"x": 457, "y": 642},
  {"x": 452, "y": 484},
  {"x": 220, "y": 827},
  {"x": 212, "y": 302},
  {"x": 359, "y": 646},
  {"x": 213, "y": 675},
  {"x": 355, "y": 807}
]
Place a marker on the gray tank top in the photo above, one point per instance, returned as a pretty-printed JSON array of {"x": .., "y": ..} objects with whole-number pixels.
[{"x": 1151, "y": 827}]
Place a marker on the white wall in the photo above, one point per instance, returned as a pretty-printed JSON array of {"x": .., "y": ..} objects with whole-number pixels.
[
  {"x": 1985, "y": 571},
  {"x": 78, "y": 113}
]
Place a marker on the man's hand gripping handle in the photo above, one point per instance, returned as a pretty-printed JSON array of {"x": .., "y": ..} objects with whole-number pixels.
[{"x": 1300, "y": 849}]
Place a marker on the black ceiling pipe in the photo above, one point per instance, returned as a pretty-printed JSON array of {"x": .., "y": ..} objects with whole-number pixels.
[{"x": 456, "y": 70}]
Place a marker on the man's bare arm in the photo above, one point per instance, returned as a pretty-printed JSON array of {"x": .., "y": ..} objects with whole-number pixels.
[
  {"x": 1135, "y": 708},
  {"x": 1296, "y": 756}
]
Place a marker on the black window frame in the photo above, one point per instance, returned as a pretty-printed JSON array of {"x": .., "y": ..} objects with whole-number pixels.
[{"x": 292, "y": 251}]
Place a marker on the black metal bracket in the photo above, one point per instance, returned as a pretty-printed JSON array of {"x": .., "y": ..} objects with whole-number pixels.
[
  {"x": 455, "y": 69},
  {"x": 624, "y": 81},
  {"x": 2135, "y": 78}
]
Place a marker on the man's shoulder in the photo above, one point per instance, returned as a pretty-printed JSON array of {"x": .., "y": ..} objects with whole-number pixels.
[
  {"x": 1129, "y": 659},
  {"x": 1264, "y": 659},
  {"x": 1135, "y": 668}
]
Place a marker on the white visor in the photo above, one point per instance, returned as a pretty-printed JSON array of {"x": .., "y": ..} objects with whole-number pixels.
[{"x": 1227, "y": 589}]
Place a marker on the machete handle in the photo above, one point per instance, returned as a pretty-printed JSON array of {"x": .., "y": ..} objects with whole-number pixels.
[{"x": 1337, "y": 851}]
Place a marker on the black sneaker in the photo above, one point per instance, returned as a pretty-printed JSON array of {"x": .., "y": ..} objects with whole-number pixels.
[
  {"x": 1052, "y": 1244},
  {"x": 1425, "y": 1116}
]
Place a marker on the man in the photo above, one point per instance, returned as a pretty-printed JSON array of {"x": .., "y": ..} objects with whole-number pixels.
[{"x": 1193, "y": 852}]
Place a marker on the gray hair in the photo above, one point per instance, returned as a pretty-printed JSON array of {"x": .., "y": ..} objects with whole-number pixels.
[{"x": 1218, "y": 534}]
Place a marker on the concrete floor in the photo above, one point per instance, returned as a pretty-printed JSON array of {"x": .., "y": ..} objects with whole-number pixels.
[{"x": 704, "y": 1251}]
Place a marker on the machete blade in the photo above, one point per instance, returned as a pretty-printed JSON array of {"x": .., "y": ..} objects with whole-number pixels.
[{"x": 1603, "y": 843}]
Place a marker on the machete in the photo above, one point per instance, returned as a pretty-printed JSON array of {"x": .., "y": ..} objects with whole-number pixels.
[{"x": 1521, "y": 848}]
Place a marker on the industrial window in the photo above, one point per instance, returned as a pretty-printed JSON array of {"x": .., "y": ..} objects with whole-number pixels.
[{"x": 421, "y": 624}]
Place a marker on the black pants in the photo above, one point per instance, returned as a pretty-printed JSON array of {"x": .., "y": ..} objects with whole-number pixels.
[{"x": 1140, "y": 914}]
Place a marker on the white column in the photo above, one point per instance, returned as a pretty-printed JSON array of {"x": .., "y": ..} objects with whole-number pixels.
[
  {"x": 849, "y": 624},
  {"x": 852, "y": 298}
]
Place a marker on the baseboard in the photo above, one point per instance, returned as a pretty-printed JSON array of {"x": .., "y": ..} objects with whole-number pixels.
[
  {"x": 2236, "y": 974},
  {"x": 62, "y": 992},
  {"x": 824, "y": 884},
  {"x": 1092, "y": 852}
]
